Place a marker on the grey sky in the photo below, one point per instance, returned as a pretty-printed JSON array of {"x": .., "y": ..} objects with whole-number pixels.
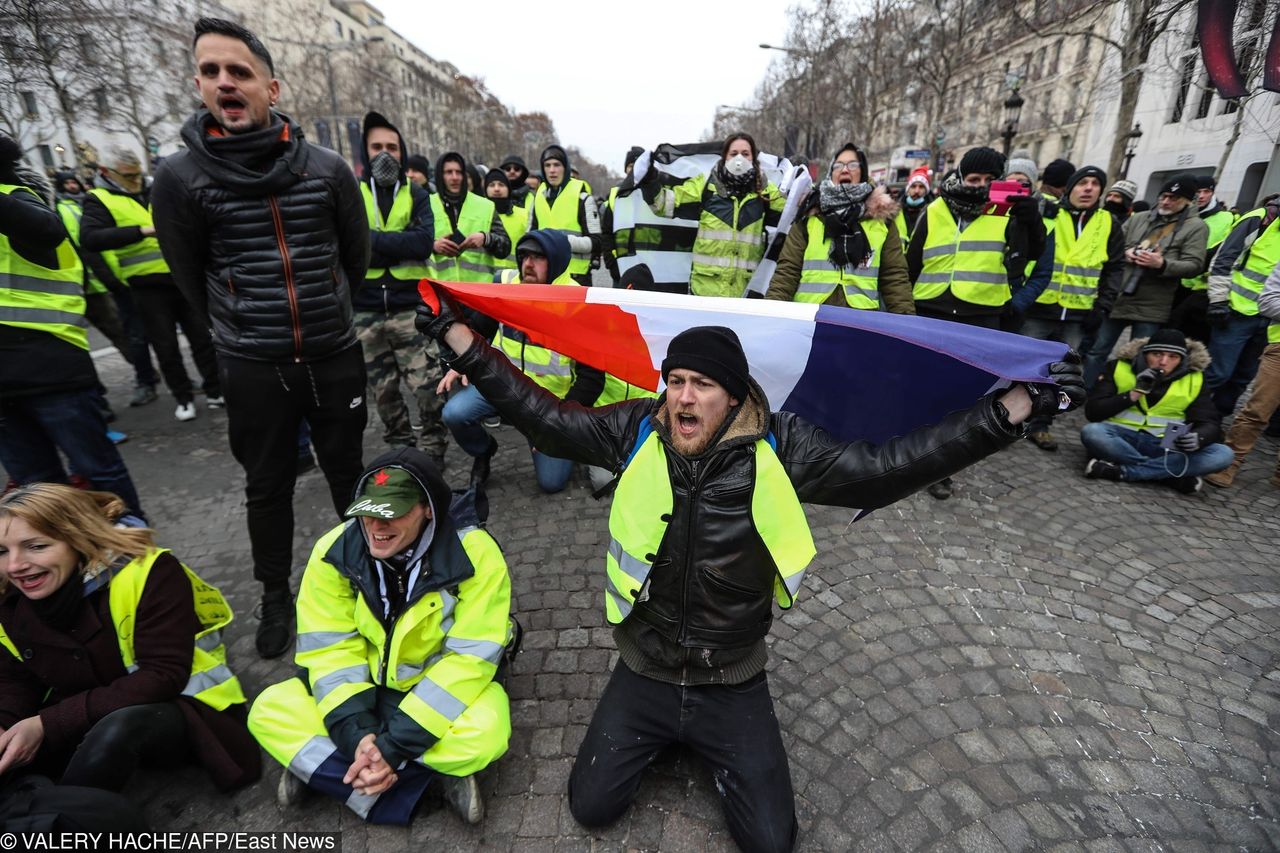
[{"x": 610, "y": 75}]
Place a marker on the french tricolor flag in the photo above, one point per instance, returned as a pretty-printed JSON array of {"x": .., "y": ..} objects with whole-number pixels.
[{"x": 858, "y": 374}]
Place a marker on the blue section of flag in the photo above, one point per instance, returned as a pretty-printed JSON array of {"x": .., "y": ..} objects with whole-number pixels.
[{"x": 873, "y": 375}]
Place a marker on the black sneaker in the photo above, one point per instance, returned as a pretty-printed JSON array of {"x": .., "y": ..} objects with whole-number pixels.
[
  {"x": 142, "y": 395},
  {"x": 941, "y": 489},
  {"x": 1185, "y": 485},
  {"x": 1101, "y": 469},
  {"x": 480, "y": 466},
  {"x": 275, "y": 623},
  {"x": 462, "y": 793},
  {"x": 291, "y": 791}
]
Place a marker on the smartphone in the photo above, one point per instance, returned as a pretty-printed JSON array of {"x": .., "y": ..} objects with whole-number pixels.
[
  {"x": 1172, "y": 430},
  {"x": 1002, "y": 192}
]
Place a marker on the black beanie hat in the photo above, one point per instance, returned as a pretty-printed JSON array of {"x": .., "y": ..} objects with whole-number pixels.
[
  {"x": 1057, "y": 173},
  {"x": 1086, "y": 172},
  {"x": 1206, "y": 182},
  {"x": 714, "y": 351},
  {"x": 418, "y": 163},
  {"x": 977, "y": 160},
  {"x": 1167, "y": 340},
  {"x": 639, "y": 277},
  {"x": 496, "y": 175},
  {"x": 633, "y": 154},
  {"x": 1184, "y": 185}
]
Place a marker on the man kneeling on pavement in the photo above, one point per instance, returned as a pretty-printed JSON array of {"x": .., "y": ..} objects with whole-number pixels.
[
  {"x": 1153, "y": 384},
  {"x": 403, "y": 621}
]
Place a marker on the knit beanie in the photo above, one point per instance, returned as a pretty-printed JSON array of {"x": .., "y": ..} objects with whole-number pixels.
[
  {"x": 713, "y": 351},
  {"x": 1167, "y": 340},
  {"x": 418, "y": 163},
  {"x": 639, "y": 277},
  {"x": 496, "y": 175},
  {"x": 1020, "y": 161},
  {"x": 1057, "y": 173},
  {"x": 1206, "y": 182},
  {"x": 1184, "y": 185},
  {"x": 1082, "y": 173},
  {"x": 982, "y": 160},
  {"x": 1128, "y": 189},
  {"x": 633, "y": 154}
]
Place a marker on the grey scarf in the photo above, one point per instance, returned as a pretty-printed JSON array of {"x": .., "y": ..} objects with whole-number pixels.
[{"x": 841, "y": 206}]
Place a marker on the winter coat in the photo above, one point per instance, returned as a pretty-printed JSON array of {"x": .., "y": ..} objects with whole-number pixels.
[
  {"x": 1105, "y": 402},
  {"x": 269, "y": 255},
  {"x": 711, "y": 515},
  {"x": 74, "y": 678},
  {"x": 894, "y": 284},
  {"x": 1184, "y": 250},
  {"x": 99, "y": 232}
]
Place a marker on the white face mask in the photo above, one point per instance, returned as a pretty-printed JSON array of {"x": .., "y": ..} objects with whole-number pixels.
[{"x": 737, "y": 165}]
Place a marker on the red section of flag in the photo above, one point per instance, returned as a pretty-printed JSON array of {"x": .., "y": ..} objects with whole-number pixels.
[{"x": 558, "y": 317}]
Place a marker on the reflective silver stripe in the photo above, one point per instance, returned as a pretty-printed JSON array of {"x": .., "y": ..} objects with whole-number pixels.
[
  {"x": 937, "y": 251},
  {"x": 405, "y": 671},
  {"x": 980, "y": 277},
  {"x": 209, "y": 641},
  {"x": 1083, "y": 272},
  {"x": 474, "y": 267},
  {"x": 870, "y": 292},
  {"x": 127, "y": 261},
  {"x": 312, "y": 641},
  {"x": 1259, "y": 277},
  {"x": 728, "y": 236},
  {"x": 1078, "y": 289},
  {"x": 1251, "y": 295},
  {"x": 210, "y": 678},
  {"x": 447, "y": 604},
  {"x": 557, "y": 367},
  {"x": 817, "y": 286},
  {"x": 717, "y": 261},
  {"x": 635, "y": 569},
  {"x": 980, "y": 245},
  {"x": 933, "y": 278},
  {"x": 133, "y": 667},
  {"x": 793, "y": 583},
  {"x": 32, "y": 284},
  {"x": 668, "y": 202},
  {"x": 819, "y": 266},
  {"x": 438, "y": 699},
  {"x": 48, "y": 316},
  {"x": 362, "y": 804},
  {"x": 307, "y": 760},
  {"x": 620, "y": 601},
  {"x": 486, "y": 650},
  {"x": 329, "y": 682}
]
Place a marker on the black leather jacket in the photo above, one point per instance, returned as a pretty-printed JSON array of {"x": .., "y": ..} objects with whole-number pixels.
[{"x": 708, "y": 603}]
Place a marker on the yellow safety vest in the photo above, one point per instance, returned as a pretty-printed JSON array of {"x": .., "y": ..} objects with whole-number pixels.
[
  {"x": 476, "y": 215},
  {"x": 36, "y": 297},
  {"x": 546, "y": 367},
  {"x": 1220, "y": 225},
  {"x": 70, "y": 211},
  {"x": 211, "y": 681},
  {"x": 819, "y": 277},
  {"x": 139, "y": 258},
  {"x": 516, "y": 224},
  {"x": 970, "y": 263},
  {"x": 397, "y": 220},
  {"x": 1171, "y": 407},
  {"x": 618, "y": 391},
  {"x": 563, "y": 216},
  {"x": 1077, "y": 261},
  {"x": 644, "y": 499},
  {"x": 1248, "y": 278}
]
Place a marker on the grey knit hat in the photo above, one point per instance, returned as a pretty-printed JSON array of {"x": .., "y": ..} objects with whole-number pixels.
[{"x": 1020, "y": 161}]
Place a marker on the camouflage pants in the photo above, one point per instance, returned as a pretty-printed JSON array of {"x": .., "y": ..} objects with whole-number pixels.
[{"x": 395, "y": 351}]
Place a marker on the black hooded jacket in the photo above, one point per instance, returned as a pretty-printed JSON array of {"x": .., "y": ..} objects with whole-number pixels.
[
  {"x": 387, "y": 293},
  {"x": 588, "y": 215},
  {"x": 265, "y": 234},
  {"x": 519, "y": 189},
  {"x": 496, "y": 241}
]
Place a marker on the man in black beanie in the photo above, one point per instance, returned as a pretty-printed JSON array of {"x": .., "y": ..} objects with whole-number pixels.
[
  {"x": 517, "y": 173},
  {"x": 968, "y": 259},
  {"x": 1054, "y": 178},
  {"x": 707, "y": 529},
  {"x": 418, "y": 169}
]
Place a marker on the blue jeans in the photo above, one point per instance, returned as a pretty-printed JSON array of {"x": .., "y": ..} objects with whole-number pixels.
[
  {"x": 1235, "y": 349},
  {"x": 33, "y": 430},
  {"x": 1105, "y": 340},
  {"x": 1141, "y": 457},
  {"x": 463, "y": 415},
  {"x": 1062, "y": 331}
]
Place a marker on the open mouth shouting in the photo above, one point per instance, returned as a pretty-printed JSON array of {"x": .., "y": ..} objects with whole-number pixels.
[
  {"x": 687, "y": 424},
  {"x": 232, "y": 107}
]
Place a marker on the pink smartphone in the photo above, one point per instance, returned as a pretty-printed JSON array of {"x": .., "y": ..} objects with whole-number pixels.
[{"x": 1000, "y": 192}]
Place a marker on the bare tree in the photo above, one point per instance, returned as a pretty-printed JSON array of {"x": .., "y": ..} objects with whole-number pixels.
[{"x": 43, "y": 44}]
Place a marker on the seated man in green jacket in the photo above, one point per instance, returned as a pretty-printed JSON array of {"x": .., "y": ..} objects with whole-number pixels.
[{"x": 403, "y": 620}]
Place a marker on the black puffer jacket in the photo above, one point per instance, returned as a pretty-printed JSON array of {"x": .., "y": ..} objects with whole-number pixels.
[
  {"x": 711, "y": 552},
  {"x": 267, "y": 234}
]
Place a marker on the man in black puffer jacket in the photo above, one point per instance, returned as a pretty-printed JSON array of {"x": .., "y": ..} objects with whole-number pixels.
[
  {"x": 707, "y": 530},
  {"x": 266, "y": 235}
]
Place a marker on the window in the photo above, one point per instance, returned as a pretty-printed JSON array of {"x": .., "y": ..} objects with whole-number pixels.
[
  {"x": 1206, "y": 98},
  {"x": 174, "y": 103},
  {"x": 30, "y": 104},
  {"x": 1057, "y": 57},
  {"x": 162, "y": 53},
  {"x": 338, "y": 25},
  {"x": 1184, "y": 88},
  {"x": 84, "y": 42},
  {"x": 1066, "y": 144},
  {"x": 100, "y": 102},
  {"x": 1085, "y": 44},
  {"x": 46, "y": 155}
]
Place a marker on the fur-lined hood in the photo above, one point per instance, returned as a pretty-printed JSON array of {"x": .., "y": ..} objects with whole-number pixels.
[
  {"x": 749, "y": 424},
  {"x": 1197, "y": 360}
]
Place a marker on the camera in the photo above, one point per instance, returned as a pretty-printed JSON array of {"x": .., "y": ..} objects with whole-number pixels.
[{"x": 1147, "y": 379}]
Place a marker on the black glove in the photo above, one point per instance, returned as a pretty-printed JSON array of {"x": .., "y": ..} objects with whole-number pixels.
[
  {"x": 1188, "y": 442},
  {"x": 1092, "y": 321},
  {"x": 1219, "y": 313},
  {"x": 1147, "y": 379},
  {"x": 1067, "y": 378},
  {"x": 437, "y": 312},
  {"x": 1026, "y": 210}
]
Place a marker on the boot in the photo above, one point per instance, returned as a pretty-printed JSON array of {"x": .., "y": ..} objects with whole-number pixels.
[
  {"x": 480, "y": 467},
  {"x": 1225, "y": 477},
  {"x": 941, "y": 490},
  {"x": 1043, "y": 439},
  {"x": 275, "y": 623},
  {"x": 463, "y": 795}
]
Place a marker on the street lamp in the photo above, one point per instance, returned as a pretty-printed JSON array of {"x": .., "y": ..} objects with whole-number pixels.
[
  {"x": 1012, "y": 112},
  {"x": 1131, "y": 147}
]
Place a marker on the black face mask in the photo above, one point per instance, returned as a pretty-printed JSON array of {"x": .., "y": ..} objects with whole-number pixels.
[{"x": 1118, "y": 208}]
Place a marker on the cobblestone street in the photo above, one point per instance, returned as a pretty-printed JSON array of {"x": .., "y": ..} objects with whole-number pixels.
[{"x": 1042, "y": 662}]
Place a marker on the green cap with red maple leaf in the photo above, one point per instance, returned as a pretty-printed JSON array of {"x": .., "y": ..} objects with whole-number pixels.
[{"x": 387, "y": 493}]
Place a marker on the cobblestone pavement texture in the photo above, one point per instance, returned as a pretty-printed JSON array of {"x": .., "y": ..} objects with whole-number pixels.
[{"x": 1042, "y": 662}]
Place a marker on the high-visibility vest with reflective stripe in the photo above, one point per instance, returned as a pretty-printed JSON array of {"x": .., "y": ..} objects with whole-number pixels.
[
  {"x": 1273, "y": 332},
  {"x": 475, "y": 215},
  {"x": 1171, "y": 407},
  {"x": 142, "y": 257},
  {"x": 546, "y": 367},
  {"x": 71, "y": 212},
  {"x": 1247, "y": 279},
  {"x": 397, "y": 220},
  {"x": 346, "y": 651},
  {"x": 1077, "y": 261},
  {"x": 516, "y": 224},
  {"x": 1220, "y": 225},
  {"x": 819, "y": 277},
  {"x": 617, "y": 391},
  {"x": 211, "y": 681},
  {"x": 36, "y": 297},
  {"x": 563, "y": 216},
  {"x": 644, "y": 498},
  {"x": 726, "y": 254},
  {"x": 970, "y": 263}
]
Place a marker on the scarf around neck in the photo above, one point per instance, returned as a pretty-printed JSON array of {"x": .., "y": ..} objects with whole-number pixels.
[
  {"x": 841, "y": 206},
  {"x": 965, "y": 202}
]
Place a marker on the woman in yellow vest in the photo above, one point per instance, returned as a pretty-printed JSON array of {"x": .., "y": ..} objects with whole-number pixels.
[
  {"x": 846, "y": 251},
  {"x": 111, "y": 655}
]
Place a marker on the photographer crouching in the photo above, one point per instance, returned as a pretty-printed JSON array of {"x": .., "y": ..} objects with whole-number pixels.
[{"x": 1152, "y": 416}]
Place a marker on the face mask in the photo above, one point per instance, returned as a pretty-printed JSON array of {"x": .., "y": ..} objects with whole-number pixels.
[
  {"x": 914, "y": 202},
  {"x": 738, "y": 165},
  {"x": 1116, "y": 207},
  {"x": 385, "y": 169}
]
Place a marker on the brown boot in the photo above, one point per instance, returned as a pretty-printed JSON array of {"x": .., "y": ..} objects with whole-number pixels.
[{"x": 1225, "y": 477}]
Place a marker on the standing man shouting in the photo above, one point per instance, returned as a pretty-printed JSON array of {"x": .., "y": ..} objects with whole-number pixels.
[
  {"x": 706, "y": 530},
  {"x": 266, "y": 234}
]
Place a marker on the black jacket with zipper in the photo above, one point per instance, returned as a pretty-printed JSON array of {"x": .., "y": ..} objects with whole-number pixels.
[
  {"x": 270, "y": 253},
  {"x": 707, "y": 606}
]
